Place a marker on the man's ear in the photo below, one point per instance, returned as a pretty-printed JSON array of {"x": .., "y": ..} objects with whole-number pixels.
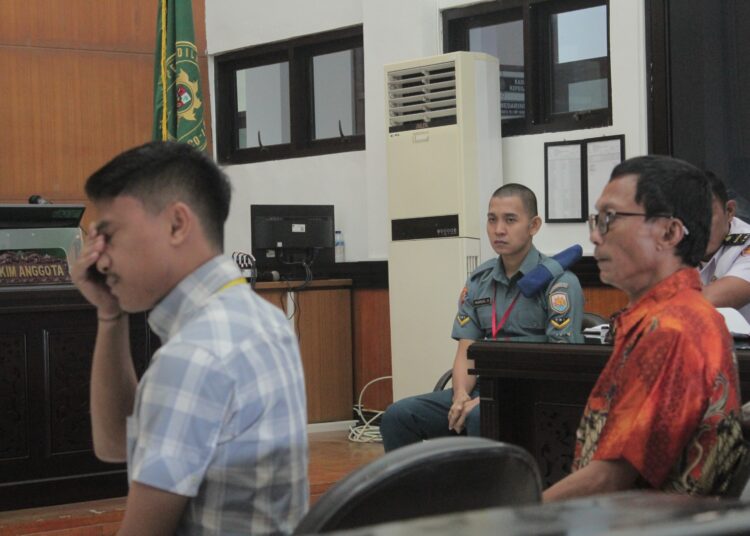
[
  {"x": 674, "y": 232},
  {"x": 181, "y": 222},
  {"x": 535, "y": 225},
  {"x": 731, "y": 208}
]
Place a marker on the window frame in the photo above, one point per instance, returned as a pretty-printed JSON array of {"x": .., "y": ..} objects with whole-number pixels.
[
  {"x": 538, "y": 62},
  {"x": 299, "y": 53}
]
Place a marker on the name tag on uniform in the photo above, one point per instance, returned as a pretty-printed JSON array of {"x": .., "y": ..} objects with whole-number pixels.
[{"x": 481, "y": 301}]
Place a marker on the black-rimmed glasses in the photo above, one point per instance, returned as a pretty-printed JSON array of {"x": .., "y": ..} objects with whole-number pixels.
[{"x": 601, "y": 222}]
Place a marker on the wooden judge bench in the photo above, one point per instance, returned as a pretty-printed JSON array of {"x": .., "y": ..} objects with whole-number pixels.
[
  {"x": 47, "y": 338},
  {"x": 533, "y": 392}
]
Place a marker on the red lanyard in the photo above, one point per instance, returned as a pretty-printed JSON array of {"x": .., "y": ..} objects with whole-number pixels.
[{"x": 497, "y": 327}]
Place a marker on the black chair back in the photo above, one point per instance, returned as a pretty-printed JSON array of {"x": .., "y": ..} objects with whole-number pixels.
[
  {"x": 591, "y": 320},
  {"x": 438, "y": 476}
]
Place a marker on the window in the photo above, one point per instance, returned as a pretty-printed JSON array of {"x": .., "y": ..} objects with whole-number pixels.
[
  {"x": 554, "y": 60},
  {"x": 295, "y": 98}
]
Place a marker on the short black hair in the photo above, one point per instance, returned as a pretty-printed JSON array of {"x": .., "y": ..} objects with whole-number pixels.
[
  {"x": 158, "y": 173},
  {"x": 513, "y": 189},
  {"x": 718, "y": 188},
  {"x": 671, "y": 186}
]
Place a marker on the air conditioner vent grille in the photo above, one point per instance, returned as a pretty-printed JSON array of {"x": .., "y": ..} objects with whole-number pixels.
[{"x": 422, "y": 96}]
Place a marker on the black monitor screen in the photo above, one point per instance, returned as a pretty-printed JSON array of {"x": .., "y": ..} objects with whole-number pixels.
[
  {"x": 40, "y": 216},
  {"x": 285, "y": 235}
]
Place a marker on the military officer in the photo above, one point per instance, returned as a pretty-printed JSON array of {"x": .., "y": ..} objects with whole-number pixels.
[
  {"x": 491, "y": 306},
  {"x": 490, "y": 292},
  {"x": 725, "y": 271}
]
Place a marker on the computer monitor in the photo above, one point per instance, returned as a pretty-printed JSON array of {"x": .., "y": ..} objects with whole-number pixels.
[
  {"x": 287, "y": 236},
  {"x": 40, "y": 216}
]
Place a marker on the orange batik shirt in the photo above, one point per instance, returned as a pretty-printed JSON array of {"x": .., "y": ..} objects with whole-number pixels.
[{"x": 668, "y": 400}]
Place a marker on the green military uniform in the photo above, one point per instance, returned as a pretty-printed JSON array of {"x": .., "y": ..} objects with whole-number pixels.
[{"x": 556, "y": 310}]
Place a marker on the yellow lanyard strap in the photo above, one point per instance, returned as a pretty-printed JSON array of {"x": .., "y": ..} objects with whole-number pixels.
[{"x": 232, "y": 283}]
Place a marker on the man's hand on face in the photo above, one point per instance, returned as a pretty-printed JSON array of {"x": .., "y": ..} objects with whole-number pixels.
[{"x": 89, "y": 280}]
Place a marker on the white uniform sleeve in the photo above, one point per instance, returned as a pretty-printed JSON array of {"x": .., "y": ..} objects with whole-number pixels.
[{"x": 741, "y": 266}]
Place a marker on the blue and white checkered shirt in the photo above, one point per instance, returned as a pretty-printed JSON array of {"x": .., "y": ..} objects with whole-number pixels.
[{"x": 220, "y": 413}]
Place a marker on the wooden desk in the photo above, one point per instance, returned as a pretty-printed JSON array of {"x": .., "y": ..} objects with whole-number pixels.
[
  {"x": 533, "y": 395},
  {"x": 46, "y": 344},
  {"x": 322, "y": 319}
]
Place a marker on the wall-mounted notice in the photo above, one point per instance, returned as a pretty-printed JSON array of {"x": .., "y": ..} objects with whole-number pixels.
[
  {"x": 602, "y": 156},
  {"x": 575, "y": 173},
  {"x": 562, "y": 186}
]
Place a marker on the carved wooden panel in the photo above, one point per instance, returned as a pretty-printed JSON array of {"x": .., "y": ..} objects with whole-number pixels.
[
  {"x": 14, "y": 411},
  {"x": 143, "y": 343},
  {"x": 555, "y": 428},
  {"x": 69, "y": 363}
]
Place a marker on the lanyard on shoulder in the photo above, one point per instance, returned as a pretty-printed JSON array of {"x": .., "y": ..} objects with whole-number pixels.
[
  {"x": 234, "y": 282},
  {"x": 495, "y": 326}
]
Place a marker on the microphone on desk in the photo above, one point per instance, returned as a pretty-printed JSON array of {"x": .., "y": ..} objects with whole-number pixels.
[
  {"x": 539, "y": 277},
  {"x": 271, "y": 275},
  {"x": 37, "y": 199}
]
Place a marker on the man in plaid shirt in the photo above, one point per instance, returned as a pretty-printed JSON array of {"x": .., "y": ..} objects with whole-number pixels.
[{"x": 214, "y": 433}]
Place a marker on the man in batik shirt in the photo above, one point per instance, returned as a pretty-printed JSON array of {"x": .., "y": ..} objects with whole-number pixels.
[{"x": 664, "y": 414}]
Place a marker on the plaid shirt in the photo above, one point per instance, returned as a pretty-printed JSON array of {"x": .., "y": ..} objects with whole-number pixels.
[{"x": 220, "y": 413}]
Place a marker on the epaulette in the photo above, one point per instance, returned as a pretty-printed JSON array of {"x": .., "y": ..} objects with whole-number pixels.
[
  {"x": 736, "y": 239},
  {"x": 483, "y": 268}
]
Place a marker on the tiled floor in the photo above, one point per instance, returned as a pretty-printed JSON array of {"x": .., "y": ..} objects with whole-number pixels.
[{"x": 332, "y": 457}]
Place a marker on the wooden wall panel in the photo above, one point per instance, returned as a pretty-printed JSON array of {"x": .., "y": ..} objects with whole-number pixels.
[
  {"x": 603, "y": 300},
  {"x": 77, "y": 109},
  {"x": 372, "y": 347},
  {"x": 88, "y": 24},
  {"x": 324, "y": 327},
  {"x": 77, "y": 90}
]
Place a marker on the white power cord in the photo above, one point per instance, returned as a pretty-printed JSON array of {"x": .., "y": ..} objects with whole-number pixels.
[{"x": 367, "y": 432}]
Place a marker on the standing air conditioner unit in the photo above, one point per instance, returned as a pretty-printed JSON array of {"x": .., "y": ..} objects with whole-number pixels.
[{"x": 444, "y": 162}]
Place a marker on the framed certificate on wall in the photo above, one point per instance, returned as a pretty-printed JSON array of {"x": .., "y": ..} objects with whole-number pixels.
[{"x": 575, "y": 173}]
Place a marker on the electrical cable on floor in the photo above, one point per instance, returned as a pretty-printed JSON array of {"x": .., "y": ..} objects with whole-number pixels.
[{"x": 366, "y": 432}]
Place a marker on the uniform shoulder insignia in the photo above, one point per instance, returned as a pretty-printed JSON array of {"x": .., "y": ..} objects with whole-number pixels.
[
  {"x": 462, "y": 319},
  {"x": 559, "y": 303},
  {"x": 736, "y": 239},
  {"x": 558, "y": 285},
  {"x": 560, "y": 322},
  {"x": 462, "y": 296}
]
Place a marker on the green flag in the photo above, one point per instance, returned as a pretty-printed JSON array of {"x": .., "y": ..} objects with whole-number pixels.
[{"x": 178, "y": 101}]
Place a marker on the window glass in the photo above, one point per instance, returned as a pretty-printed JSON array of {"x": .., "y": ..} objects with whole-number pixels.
[
  {"x": 580, "y": 34},
  {"x": 580, "y": 66},
  {"x": 337, "y": 93},
  {"x": 263, "y": 105},
  {"x": 554, "y": 59},
  {"x": 289, "y": 99},
  {"x": 505, "y": 42}
]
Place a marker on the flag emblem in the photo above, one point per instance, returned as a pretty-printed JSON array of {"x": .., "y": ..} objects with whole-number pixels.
[
  {"x": 187, "y": 100},
  {"x": 178, "y": 106}
]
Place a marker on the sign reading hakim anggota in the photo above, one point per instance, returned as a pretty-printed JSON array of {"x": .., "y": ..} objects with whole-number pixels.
[
  {"x": 178, "y": 102},
  {"x": 33, "y": 267}
]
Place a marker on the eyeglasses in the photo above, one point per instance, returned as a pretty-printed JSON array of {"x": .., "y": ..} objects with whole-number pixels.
[{"x": 601, "y": 222}]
